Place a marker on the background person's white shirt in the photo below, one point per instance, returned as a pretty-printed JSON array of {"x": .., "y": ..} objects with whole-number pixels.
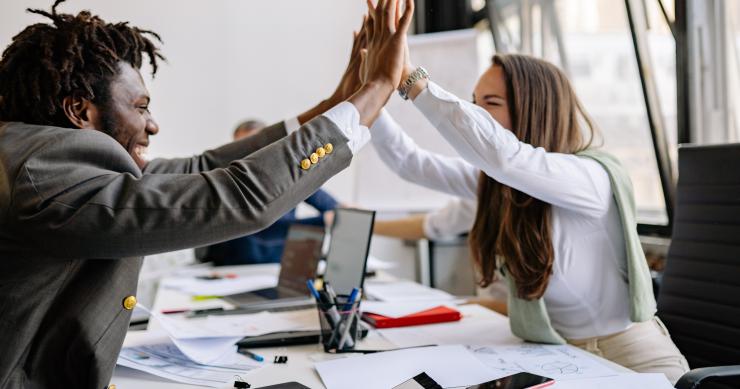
[
  {"x": 454, "y": 219},
  {"x": 587, "y": 294}
]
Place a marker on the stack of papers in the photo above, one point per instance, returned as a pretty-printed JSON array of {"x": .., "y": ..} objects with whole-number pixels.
[
  {"x": 202, "y": 351},
  {"x": 449, "y": 366},
  {"x": 219, "y": 287},
  {"x": 167, "y": 361},
  {"x": 205, "y": 340},
  {"x": 405, "y": 291}
]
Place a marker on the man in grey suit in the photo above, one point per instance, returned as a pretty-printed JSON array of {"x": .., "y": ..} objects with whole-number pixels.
[{"x": 80, "y": 205}]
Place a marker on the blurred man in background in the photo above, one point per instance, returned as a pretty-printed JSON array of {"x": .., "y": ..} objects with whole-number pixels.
[{"x": 266, "y": 246}]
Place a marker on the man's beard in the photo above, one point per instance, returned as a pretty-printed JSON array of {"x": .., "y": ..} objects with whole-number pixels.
[{"x": 111, "y": 127}]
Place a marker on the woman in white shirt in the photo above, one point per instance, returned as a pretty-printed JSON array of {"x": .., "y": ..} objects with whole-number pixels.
[{"x": 545, "y": 215}]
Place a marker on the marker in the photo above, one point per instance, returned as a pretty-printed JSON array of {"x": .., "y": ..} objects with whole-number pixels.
[
  {"x": 330, "y": 291},
  {"x": 352, "y": 298},
  {"x": 250, "y": 354},
  {"x": 313, "y": 290},
  {"x": 206, "y": 297},
  {"x": 203, "y": 312},
  {"x": 356, "y": 294}
]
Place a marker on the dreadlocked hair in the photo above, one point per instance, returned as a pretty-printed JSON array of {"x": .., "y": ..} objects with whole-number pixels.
[{"x": 75, "y": 56}]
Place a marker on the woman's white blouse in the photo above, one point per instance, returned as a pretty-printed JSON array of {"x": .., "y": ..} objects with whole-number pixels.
[{"x": 587, "y": 294}]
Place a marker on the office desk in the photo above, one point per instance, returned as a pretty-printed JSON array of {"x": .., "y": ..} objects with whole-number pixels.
[{"x": 491, "y": 327}]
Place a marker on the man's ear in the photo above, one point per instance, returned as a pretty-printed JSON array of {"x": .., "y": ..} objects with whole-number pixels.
[{"x": 81, "y": 112}]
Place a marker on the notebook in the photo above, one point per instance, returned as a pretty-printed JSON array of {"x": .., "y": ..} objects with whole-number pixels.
[{"x": 438, "y": 314}]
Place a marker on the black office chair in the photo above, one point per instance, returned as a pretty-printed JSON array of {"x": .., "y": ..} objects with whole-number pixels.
[{"x": 699, "y": 298}]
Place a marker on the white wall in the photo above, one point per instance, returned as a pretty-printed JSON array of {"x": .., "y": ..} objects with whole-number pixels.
[{"x": 228, "y": 60}]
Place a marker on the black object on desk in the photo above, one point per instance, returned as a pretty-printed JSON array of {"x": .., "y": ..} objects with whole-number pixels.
[
  {"x": 288, "y": 338},
  {"x": 286, "y": 385}
]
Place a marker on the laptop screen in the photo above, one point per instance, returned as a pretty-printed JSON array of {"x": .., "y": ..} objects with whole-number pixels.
[
  {"x": 348, "y": 250},
  {"x": 300, "y": 256}
]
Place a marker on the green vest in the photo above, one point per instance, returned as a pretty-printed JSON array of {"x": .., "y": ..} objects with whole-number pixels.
[{"x": 529, "y": 319}]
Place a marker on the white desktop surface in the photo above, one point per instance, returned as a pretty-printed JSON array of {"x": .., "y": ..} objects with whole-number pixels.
[{"x": 301, "y": 359}]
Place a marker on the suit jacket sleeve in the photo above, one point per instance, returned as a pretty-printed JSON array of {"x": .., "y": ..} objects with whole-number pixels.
[
  {"x": 84, "y": 197},
  {"x": 220, "y": 157}
]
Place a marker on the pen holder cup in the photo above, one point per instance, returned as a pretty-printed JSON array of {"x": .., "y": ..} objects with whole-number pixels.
[{"x": 340, "y": 324}]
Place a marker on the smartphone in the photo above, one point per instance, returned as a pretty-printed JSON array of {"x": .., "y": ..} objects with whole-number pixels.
[{"x": 516, "y": 381}]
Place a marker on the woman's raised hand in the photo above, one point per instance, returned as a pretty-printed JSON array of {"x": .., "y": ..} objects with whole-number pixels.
[{"x": 386, "y": 42}]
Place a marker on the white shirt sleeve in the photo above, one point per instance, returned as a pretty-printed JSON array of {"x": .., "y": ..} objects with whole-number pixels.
[
  {"x": 292, "y": 125},
  {"x": 438, "y": 172},
  {"x": 455, "y": 218},
  {"x": 563, "y": 180},
  {"x": 347, "y": 118}
]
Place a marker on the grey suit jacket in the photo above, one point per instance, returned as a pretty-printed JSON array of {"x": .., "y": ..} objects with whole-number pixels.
[{"x": 77, "y": 215}]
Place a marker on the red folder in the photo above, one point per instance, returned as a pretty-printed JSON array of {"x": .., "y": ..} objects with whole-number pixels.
[{"x": 439, "y": 314}]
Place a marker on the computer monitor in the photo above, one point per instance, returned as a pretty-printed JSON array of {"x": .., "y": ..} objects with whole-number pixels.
[{"x": 348, "y": 249}]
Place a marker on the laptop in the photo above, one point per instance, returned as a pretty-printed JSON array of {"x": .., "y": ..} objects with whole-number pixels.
[{"x": 297, "y": 265}]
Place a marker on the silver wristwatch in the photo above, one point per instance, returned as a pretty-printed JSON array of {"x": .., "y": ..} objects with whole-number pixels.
[{"x": 415, "y": 76}]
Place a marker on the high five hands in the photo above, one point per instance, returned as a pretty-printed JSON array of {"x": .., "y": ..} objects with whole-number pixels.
[
  {"x": 385, "y": 58},
  {"x": 377, "y": 61}
]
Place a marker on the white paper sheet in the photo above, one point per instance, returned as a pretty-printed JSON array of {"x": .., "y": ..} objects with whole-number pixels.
[
  {"x": 622, "y": 381},
  {"x": 449, "y": 366},
  {"x": 399, "y": 308},
  {"x": 560, "y": 362},
  {"x": 221, "y": 287},
  {"x": 405, "y": 291},
  {"x": 222, "y": 326},
  {"x": 167, "y": 361}
]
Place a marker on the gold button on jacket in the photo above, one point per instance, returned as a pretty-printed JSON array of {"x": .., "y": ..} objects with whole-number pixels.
[
  {"x": 321, "y": 152},
  {"x": 112, "y": 386},
  {"x": 129, "y": 302},
  {"x": 314, "y": 158},
  {"x": 329, "y": 148},
  {"x": 305, "y": 164}
]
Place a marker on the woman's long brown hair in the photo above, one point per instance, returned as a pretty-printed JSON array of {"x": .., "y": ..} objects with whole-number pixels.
[{"x": 510, "y": 224}]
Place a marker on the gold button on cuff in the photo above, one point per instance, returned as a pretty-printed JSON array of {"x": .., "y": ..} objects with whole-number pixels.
[
  {"x": 329, "y": 148},
  {"x": 321, "y": 152},
  {"x": 112, "y": 386},
  {"x": 129, "y": 302},
  {"x": 305, "y": 164},
  {"x": 314, "y": 158}
]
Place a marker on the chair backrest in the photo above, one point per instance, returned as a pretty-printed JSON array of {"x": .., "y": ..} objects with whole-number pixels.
[{"x": 699, "y": 298}]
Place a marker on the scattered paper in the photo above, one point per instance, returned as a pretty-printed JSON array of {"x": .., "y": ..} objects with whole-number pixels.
[
  {"x": 621, "y": 381},
  {"x": 449, "y": 366},
  {"x": 405, "y": 291},
  {"x": 220, "y": 287},
  {"x": 207, "y": 350},
  {"x": 167, "y": 361},
  {"x": 559, "y": 362},
  {"x": 396, "y": 309},
  {"x": 375, "y": 264}
]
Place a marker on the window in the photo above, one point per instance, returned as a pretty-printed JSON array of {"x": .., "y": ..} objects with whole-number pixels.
[{"x": 591, "y": 40}]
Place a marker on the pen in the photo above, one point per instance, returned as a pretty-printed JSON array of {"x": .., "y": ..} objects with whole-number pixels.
[
  {"x": 250, "y": 354},
  {"x": 173, "y": 311}
]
